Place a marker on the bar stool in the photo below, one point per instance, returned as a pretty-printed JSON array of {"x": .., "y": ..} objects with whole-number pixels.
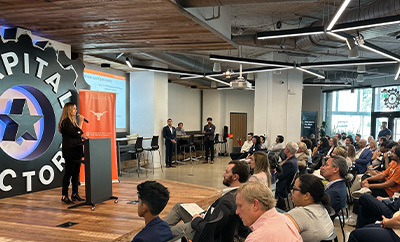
[
  {"x": 138, "y": 150},
  {"x": 154, "y": 147},
  {"x": 191, "y": 146}
]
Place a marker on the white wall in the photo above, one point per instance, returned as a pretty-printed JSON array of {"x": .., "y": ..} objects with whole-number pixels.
[
  {"x": 184, "y": 105},
  {"x": 219, "y": 105}
]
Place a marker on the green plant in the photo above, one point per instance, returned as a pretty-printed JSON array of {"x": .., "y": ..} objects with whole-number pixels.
[{"x": 322, "y": 130}]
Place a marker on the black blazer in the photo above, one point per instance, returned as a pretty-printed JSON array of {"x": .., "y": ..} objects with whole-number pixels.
[
  {"x": 72, "y": 144},
  {"x": 254, "y": 148},
  {"x": 168, "y": 135},
  {"x": 209, "y": 132},
  {"x": 226, "y": 227},
  {"x": 289, "y": 168}
]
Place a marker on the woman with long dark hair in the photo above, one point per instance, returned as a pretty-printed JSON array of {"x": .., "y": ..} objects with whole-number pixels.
[
  {"x": 72, "y": 150},
  {"x": 322, "y": 148},
  {"x": 310, "y": 216}
]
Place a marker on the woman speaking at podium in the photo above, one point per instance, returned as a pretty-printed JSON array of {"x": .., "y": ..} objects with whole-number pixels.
[{"x": 72, "y": 150}]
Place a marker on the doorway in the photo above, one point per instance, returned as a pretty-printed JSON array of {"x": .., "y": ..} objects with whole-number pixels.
[
  {"x": 392, "y": 119},
  {"x": 238, "y": 122}
]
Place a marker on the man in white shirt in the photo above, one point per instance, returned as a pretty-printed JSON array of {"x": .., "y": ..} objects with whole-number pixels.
[
  {"x": 245, "y": 148},
  {"x": 278, "y": 145}
]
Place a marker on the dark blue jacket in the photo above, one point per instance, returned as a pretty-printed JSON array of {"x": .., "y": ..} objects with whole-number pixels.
[
  {"x": 209, "y": 132},
  {"x": 337, "y": 195},
  {"x": 168, "y": 135},
  {"x": 289, "y": 168},
  {"x": 363, "y": 161},
  {"x": 254, "y": 148},
  {"x": 156, "y": 230}
]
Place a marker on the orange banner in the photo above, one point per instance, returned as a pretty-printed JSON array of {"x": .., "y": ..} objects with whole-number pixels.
[{"x": 99, "y": 109}]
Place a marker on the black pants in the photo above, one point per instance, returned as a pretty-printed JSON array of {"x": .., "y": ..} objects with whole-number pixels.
[
  {"x": 373, "y": 232},
  {"x": 209, "y": 145},
  {"x": 371, "y": 209},
  {"x": 169, "y": 150},
  {"x": 238, "y": 156},
  {"x": 72, "y": 169}
]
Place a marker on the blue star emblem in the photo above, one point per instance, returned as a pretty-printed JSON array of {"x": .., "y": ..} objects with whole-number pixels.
[{"x": 19, "y": 122}]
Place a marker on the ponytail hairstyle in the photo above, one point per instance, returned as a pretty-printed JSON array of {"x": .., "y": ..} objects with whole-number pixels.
[{"x": 313, "y": 185}]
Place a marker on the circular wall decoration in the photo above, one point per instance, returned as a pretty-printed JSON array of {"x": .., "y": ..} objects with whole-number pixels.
[{"x": 392, "y": 99}]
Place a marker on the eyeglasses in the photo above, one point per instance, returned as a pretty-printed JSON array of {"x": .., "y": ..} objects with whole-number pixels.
[{"x": 295, "y": 189}]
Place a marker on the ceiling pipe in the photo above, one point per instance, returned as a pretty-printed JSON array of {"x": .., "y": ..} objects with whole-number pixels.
[{"x": 211, "y": 3}]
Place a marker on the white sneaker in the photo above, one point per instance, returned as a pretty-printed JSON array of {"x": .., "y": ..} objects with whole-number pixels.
[
  {"x": 351, "y": 221},
  {"x": 357, "y": 194}
]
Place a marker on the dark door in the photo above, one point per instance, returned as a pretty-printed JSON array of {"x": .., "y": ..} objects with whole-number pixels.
[{"x": 238, "y": 128}]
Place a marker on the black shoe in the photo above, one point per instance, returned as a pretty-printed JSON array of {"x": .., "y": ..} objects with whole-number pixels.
[
  {"x": 76, "y": 197},
  {"x": 66, "y": 200}
]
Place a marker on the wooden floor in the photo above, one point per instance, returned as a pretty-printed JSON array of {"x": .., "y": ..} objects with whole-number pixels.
[{"x": 34, "y": 217}]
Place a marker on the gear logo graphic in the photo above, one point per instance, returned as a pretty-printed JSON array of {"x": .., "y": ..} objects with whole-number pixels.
[{"x": 35, "y": 83}]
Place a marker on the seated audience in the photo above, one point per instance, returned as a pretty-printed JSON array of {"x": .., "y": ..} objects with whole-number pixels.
[
  {"x": 379, "y": 162},
  {"x": 313, "y": 141},
  {"x": 351, "y": 153},
  {"x": 363, "y": 157},
  {"x": 263, "y": 144},
  {"x": 302, "y": 156},
  {"x": 333, "y": 143},
  {"x": 342, "y": 139},
  {"x": 255, "y": 147},
  {"x": 340, "y": 151},
  {"x": 236, "y": 173},
  {"x": 256, "y": 207},
  {"x": 309, "y": 145},
  {"x": 374, "y": 149},
  {"x": 386, "y": 183},
  {"x": 388, "y": 230},
  {"x": 310, "y": 216},
  {"x": 259, "y": 162},
  {"x": 357, "y": 140},
  {"x": 289, "y": 168},
  {"x": 274, "y": 167},
  {"x": 153, "y": 197},
  {"x": 349, "y": 140},
  {"x": 245, "y": 148},
  {"x": 322, "y": 148},
  {"x": 278, "y": 145},
  {"x": 370, "y": 138},
  {"x": 334, "y": 170},
  {"x": 372, "y": 208}
]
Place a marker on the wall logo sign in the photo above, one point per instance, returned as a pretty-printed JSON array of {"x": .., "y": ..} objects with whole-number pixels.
[
  {"x": 34, "y": 86},
  {"x": 98, "y": 115}
]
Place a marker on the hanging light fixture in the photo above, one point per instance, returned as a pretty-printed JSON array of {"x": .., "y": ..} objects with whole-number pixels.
[
  {"x": 360, "y": 78},
  {"x": 217, "y": 67}
]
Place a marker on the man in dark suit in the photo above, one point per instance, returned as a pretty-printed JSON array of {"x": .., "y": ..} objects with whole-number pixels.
[
  {"x": 235, "y": 174},
  {"x": 153, "y": 197},
  {"x": 208, "y": 131},
  {"x": 364, "y": 158},
  {"x": 169, "y": 133},
  {"x": 334, "y": 170},
  {"x": 289, "y": 168}
]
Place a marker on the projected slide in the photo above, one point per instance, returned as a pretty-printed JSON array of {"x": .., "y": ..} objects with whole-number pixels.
[{"x": 105, "y": 82}]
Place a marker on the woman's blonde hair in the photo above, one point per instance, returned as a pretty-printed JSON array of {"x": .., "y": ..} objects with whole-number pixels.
[
  {"x": 262, "y": 165},
  {"x": 303, "y": 147},
  {"x": 340, "y": 151},
  {"x": 67, "y": 113},
  {"x": 374, "y": 144}
]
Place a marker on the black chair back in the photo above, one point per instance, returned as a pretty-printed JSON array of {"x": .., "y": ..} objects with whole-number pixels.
[
  {"x": 139, "y": 145},
  {"x": 191, "y": 139},
  {"x": 154, "y": 143},
  {"x": 216, "y": 139},
  {"x": 207, "y": 234}
]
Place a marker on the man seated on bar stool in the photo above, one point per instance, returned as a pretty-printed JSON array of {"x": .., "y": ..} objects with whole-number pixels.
[
  {"x": 153, "y": 197},
  {"x": 180, "y": 132}
]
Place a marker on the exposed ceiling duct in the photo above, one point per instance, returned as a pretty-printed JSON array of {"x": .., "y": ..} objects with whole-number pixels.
[{"x": 211, "y": 3}]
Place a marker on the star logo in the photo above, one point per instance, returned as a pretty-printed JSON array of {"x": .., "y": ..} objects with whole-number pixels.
[{"x": 19, "y": 123}]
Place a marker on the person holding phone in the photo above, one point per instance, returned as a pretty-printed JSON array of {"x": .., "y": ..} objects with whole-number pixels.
[{"x": 72, "y": 150}]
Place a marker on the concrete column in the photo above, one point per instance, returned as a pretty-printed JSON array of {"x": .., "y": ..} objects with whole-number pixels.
[
  {"x": 149, "y": 107},
  {"x": 277, "y": 109}
]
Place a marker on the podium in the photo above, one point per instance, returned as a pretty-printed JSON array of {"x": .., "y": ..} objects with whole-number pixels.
[{"x": 98, "y": 179}]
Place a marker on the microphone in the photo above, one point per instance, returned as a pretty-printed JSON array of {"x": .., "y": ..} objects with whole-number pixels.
[{"x": 85, "y": 120}]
